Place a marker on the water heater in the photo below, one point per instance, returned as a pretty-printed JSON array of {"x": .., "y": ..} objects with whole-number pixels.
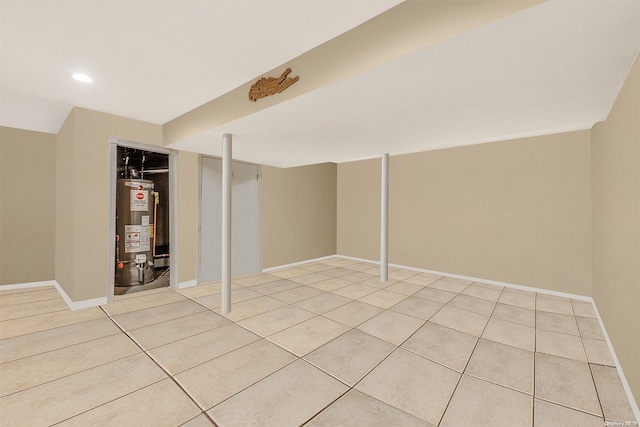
[{"x": 135, "y": 202}]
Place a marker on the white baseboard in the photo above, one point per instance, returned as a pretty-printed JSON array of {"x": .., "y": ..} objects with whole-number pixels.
[
  {"x": 187, "y": 284},
  {"x": 293, "y": 264},
  {"x": 73, "y": 305}
]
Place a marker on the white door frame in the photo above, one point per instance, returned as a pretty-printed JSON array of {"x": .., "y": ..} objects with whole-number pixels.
[{"x": 114, "y": 143}]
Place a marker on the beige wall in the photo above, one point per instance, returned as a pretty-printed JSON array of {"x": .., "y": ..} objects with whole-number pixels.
[
  {"x": 27, "y": 206},
  {"x": 513, "y": 211},
  {"x": 298, "y": 213},
  {"x": 616, "y": 225},
  {"x": 82, "y": 206}
]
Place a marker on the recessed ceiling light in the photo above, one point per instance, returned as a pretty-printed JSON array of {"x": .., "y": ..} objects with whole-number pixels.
[{"x": 82, "y": 78}]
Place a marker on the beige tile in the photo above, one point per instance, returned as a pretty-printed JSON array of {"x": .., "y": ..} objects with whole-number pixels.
[
  {"x": 391, "y": 326},
  {"x": 566, "y": 382},
  {"x": 216, "y": 380},
  {"x": 52, "y": 339},
  {"x": 404, "y": 288},
  {"x": 477, "y": 305},
  {"x": 519, "y": 291},
  {"x": 552, "y": 305},
  {"x": 176, "y": 329},
  {"x": 32, "y": 308},
  {"x": 401, "y": 274},
  {"x": 151, "y": 316},
  {"x": 466, "y": 281},
  {"x": 561, "y": 345},
  {"x": 461, "y": 320},
  {"x": 331, "y": 284},
  {"x": 357, "y": 276},
  {"x": 142, "y": 302},
  {"x": 590, "y": 328},
  {"x": 489, "y": 294},
  {"x": 548, "y": 414},
  {"x": 189, "y": 352},
  {"x": 355, "y": 291},
  {"x": 43, "y": 322},
  {"x": 356, "y": 409},
  {"x": 353, "y": 313},
  {"x": 289, "y": 273},
  {"x": 134, "y": 293},
  {"x": 297, "y": 294},
  {"x": 253, "y": 307},
  {"x": 276, "y": 320},
  {"x": 597, "y": 352},
  {"x": 22, "y": 290},
  {"x": 200, "y": 421},
  {"x": 545, "y": 295},
  {"x": 448, "y": 285},
  {"x": 510, "y": 334},
  {"x": 350, "y": 356},
  {"x": 417, "y": 307},
  {"x": 276, "y": 286},
  {"x": 383, "y": 298},
  {"x": 323, "y": 303},
  {"x": 309, "y": 278},
  {"x": 27, "y": 297},
  {"x": 422, "y": 279},
  {"x": 555, "y": 322},
  {"x": 205, "y": 289},
  {"x": 66, "y": 397},
  {"x": 443, "y": 345},
  {"x": 337, "y": 271},
  {"x": 361, "y": 266},
  {"x": 317, "y": 267},
  {"x": 171, "y": 407},
  {"x": 258, "y": 279},
  {"x": 300, "y": 390},
  {"x": 341, "y": 262},
  {"x": 309, "y": 335},
  {"x": 435, "y": 295},
  {"x": 41, "y": 368},
  {"x": 518, "y": 300},
  {"x": 481, "y": 403},
  {"x": 503, "y": 365},
  {"x": 376, "y": 283},
  {"x": 519, "y": 315},
  {"x": 412, "y": 384},
  {"x": 584, "y": 309},
  {"x": 485, "y": 285},
  {"x": 613, "y": 398}
]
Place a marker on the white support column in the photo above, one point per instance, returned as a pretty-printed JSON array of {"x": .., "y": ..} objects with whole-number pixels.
[
  {"x": 384, "y": 220},
  {"x": 226, "y": 223}
]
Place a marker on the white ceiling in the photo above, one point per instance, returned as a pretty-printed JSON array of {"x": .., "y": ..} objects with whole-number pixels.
[
  {"x": 554, "y": 67},
  {"x": 152, "y": 60}
]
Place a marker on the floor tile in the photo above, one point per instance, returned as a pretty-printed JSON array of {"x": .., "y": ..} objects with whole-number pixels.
[
  {"x": 257, "y": 279},
  {"x": 383, "y": 298},
  {"x": 4, "y": 292},
  {"x": 337, "y": 271},
  {"x": 481, "y": 403},
  {"x": 555, "y": 322},
  {"x": 437, "y": 295},
  {"x": 309, "y": 278},
  {"x": 176, "y": 329},
  {"x": 318, "y": 267},
  {"x": 300, "y": 390},
  {"x": 276, "y": 320},
  {"x": 443, "y": 345},
  {"x": 41, "y": 368},
  {"x": 356, "y": 409},
  {"x": 613, "y": 398},
  {"x": 489, "y": 294},
  {"x": 350, "y": 356},
  {"x": 461, "y": 320},
  {"x": 417, "y": 307},
  {"x": 357, "y": 276},
  {"x": 66, "y": 397},
  {"x": 503, "y": 365},
  {"x": 412, "y": 384},
  {"x": 26, "y": 297},
  {"x": 400, "y": 274},
  {"x": 561, "y": 345},
  {"x": 200, "y": 421},
  {"x": 205, "y": 289},
  {"x": 518, "y": 300},
  {"x": 297, "y": 294},
  {"x": 252, "y": 307},
  {"x": 17, "y": 311},
  {"x": 584, "y": 309},
  {"x": 341, "y": 262},
  {"x": 566, "y": 382},
  {"x": 597, "y": 352},
  {"x": 519, "y": 315},
  {"x": 171, "y": 407},
  {"x": 392, "y": 327},
  {"x": 275, "y": 286},
  {"x": 189, "y": 352},
  {"x": 477, "y": 305},
  {"x": 151, "y": 316},
  {"x": 448, "y": 285},
  {"x": 355, "y": 291},
  {"x": 466, "y": 281},
  {"x": 549, "y": 414},
  {"x": 331, "y": 284},
  {"x": 309, "y": 335},
  {"x": 560, "y": 306},
  {"x": 52, "y": 339},
  {"x": 353, "y": 313},
  {"x": 323, "y": 303},
  {"x": 42, "y": 322},
  {"x": 404, "y": 288},
  {"x": 590, "y": 328},
  {"x": 422, "y": 279},
  {"x": 519, "y": 291},
  {"x": 361, "y": 266},
  {"x": 142, "y": 302},
  {"x": 216, "y": 380},
  {"x": 289, "y": 273},
  {"x": 510, "y": 334},
  {"x": 376, "y": 283}
]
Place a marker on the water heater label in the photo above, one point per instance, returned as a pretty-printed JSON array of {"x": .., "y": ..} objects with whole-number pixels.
[
  {"x": 136, "y": 238},
  {"x": 139, "y": 201}
]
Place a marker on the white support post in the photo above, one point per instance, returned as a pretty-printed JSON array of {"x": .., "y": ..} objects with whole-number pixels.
[
  {"x": 226, "y": 223},
  {"x": 384, "y": 220}
]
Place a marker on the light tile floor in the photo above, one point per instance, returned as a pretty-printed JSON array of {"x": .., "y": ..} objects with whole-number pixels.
[{"x": 321, "y": 344}]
